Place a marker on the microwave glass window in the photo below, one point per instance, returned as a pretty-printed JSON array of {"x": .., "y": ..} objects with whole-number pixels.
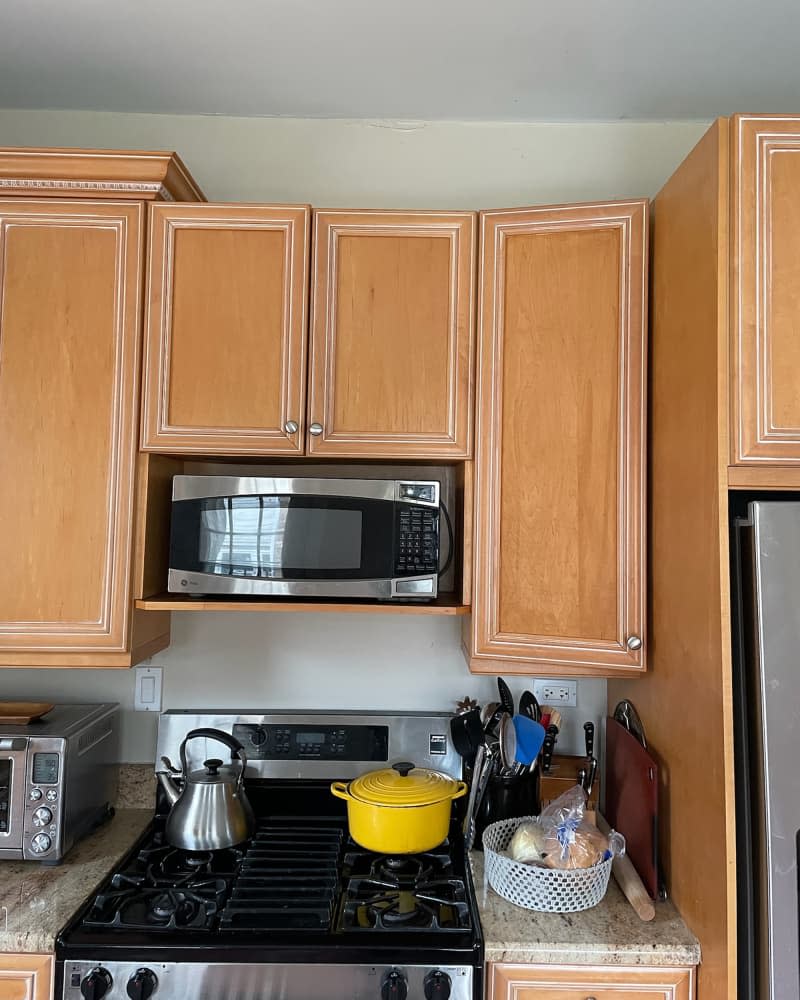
[
  {"x": 262, "y": 536},
  {"x": 45, "y": 768}
]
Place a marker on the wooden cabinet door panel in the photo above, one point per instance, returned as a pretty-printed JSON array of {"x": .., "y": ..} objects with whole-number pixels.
[
  {"x": 392, "y": 339},
  {"x": 559, "y": 571},
  {"x": 765, "y": 295},
  {"x": 69, "y": 363},
  {"x": 26, "y": 977},
  {"x": 226, "y": 329},
  {"x": 553, "y": 982}
]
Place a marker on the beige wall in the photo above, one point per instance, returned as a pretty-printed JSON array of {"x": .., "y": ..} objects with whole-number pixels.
[{"x": 294, "y": 660}]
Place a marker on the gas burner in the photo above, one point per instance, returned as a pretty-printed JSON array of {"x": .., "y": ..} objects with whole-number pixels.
[
  {"x": 171, "y": 905},
  {"x": 137, "y": 905},
  {"x": 399, "y": 871},
  {"x": 198, "y": 859},
  {"x": 408, "y": 868},
  {"x": 436, "y": 905},
  {"x": 162, "y": 861}
]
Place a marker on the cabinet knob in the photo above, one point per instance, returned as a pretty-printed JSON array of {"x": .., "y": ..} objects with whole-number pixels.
[
  {"x": 634, "y": 643},
  {"x": 291, "y": 426},
  {"x": 315, "y": 429}
]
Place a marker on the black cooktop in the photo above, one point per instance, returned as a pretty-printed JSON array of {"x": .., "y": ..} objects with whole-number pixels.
[{"x": 299, "y": 886}]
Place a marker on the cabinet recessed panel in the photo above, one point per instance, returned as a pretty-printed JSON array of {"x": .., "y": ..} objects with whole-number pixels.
[
  {"x": 559, "y": 458},
  {"x": 68, "y": 384}
]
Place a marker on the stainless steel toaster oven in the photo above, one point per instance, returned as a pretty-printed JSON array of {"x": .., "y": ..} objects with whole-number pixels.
[{"x": 57, "y": 779}]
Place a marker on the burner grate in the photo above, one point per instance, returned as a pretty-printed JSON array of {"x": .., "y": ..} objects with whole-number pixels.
[
  {"x": 436, "y": 905},
  {"x": 288, "y": 879}
]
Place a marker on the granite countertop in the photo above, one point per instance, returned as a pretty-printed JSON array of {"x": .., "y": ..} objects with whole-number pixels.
[
  {"x": 608, "y": 934},
  {"x": 37, "y": 900}
]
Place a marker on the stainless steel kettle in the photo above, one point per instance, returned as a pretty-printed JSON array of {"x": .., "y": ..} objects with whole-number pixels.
[{"x": 211, "y": 810}]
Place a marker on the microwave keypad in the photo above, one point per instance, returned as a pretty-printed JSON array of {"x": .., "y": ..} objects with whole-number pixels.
[{"x": 417, "y": 541}]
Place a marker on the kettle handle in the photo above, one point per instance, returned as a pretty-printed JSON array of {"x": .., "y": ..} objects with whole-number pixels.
[{"x": 236, "y": 748}]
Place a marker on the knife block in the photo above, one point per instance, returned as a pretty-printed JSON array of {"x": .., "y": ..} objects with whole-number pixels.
[{"x": 563, "y": 774}]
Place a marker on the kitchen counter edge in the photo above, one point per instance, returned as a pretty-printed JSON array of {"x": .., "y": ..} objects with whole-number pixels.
[
  {"x": 37, "y": 900},
  {"x": 608, "y": 934}
]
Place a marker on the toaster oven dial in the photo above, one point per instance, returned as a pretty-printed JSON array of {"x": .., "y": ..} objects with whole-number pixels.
[
  {"x": 41, "y": 843},
  {"x": 42, "y": 816},
  {"x": 97, "y": 983},
  {"x": 35, "y": 794}
]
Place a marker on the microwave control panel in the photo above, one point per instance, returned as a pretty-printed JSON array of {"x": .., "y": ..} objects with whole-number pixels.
[{"x": 313, "y": 742}]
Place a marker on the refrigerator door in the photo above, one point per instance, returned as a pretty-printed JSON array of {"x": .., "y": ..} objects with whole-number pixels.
[{"x": 771, "y": 632}]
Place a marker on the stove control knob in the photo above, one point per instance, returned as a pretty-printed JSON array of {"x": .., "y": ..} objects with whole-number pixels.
[
  {"x": 96, "y": 984},
  {"x": 394, "y": 986},
  {"x": 141, "y": 985},
  {"x": 436, "y": 986}
]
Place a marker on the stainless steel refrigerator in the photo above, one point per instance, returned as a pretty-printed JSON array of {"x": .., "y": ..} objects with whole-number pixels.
[{"x": 766, "y": 557}]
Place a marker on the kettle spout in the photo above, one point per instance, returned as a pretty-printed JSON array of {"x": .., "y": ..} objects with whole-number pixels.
[{"x": 167, "y": 783}]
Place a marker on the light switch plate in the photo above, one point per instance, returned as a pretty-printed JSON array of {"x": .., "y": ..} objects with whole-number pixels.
[{"x": 147, "y": 693}]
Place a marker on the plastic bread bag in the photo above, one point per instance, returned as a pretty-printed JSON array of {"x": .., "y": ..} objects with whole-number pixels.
[{"x": 563, "y": 838}]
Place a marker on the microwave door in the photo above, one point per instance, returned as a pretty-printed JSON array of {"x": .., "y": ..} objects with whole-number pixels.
[{"x": 301, "y": 545}]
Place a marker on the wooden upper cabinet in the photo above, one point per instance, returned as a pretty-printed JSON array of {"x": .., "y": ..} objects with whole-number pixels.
[
  {"x": 226, "y": 330},
  {"x": 392, "y": 339},
  {"x": 559, "y": 580},
  {"x": 765, "y": 290},
  {"x": 69, "y": 363},
  {"x": 552, "y": 982}
]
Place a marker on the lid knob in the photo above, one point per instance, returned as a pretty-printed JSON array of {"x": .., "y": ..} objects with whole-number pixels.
[
  {"x": 403, "y": 768},
  {"x": 212, "y": 766}
]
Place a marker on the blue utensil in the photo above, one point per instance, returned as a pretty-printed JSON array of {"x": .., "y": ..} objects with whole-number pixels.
[{"x": 530, "y": 737}]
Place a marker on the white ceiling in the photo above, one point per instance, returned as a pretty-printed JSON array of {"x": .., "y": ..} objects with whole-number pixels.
[{"x": 501, "y": 60}]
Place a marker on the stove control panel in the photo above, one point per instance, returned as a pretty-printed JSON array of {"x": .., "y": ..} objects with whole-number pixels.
[{"x": 313, "y": 741}]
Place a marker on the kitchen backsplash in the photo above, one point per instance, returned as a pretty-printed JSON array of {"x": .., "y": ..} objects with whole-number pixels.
[{"x": 263, "y": 661}]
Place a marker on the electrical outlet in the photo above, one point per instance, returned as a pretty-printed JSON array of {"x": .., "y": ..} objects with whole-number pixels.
[{"x": 556, "y": 692}]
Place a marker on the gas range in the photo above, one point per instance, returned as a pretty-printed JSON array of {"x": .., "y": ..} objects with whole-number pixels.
[{"x": 299, "y": 910}]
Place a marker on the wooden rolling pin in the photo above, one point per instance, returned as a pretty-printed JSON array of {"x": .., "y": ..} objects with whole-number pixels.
[{"x": 628, "y": 880}]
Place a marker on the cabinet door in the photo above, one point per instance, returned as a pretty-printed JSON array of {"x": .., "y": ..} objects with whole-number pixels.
[
  {"x": 69, "y": 361},
  {"x": 392, "y": 335},
  {"x": 560, "y": 476},
  {"x": 553, "y": 982},
  {"x": 26, "y": 977},
  {"x": 765, "y": 282},
  {"x": 226, "y": 330}
]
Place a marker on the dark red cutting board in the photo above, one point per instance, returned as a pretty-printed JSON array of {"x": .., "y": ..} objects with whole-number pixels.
[{"x": 632, "y": 800}]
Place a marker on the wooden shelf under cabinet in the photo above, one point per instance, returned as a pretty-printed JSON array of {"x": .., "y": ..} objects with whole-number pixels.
[{"x": 447, "y": 604}]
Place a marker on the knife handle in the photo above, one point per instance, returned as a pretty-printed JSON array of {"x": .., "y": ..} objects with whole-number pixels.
[
  {"x": 547, "y": 748},
  {"x": 588, "y": 730}
]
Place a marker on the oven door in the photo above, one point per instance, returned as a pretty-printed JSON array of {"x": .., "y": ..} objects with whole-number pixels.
[
  {"x": 294, "y": 537},
  {"x": 13, "y": 759}
]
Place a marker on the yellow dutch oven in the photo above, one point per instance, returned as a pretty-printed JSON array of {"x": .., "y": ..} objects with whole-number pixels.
[{"x": 400, "y": 809}]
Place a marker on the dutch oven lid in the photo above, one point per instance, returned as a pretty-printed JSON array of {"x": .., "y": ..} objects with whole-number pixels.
[{"x": 403, "y": 784}]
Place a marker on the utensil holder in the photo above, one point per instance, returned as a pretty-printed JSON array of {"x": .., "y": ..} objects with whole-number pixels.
[{"x": 507, "y": 797}]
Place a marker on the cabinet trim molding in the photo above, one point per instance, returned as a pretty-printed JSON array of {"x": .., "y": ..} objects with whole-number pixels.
[
  {"x": 511, "y": 981},
  {"x": 33, "y": 971}
]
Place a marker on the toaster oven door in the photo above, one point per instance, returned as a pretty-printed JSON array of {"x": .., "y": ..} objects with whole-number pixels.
[{"x": 13, "y": 759}]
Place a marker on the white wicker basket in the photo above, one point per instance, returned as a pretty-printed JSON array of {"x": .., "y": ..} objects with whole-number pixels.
[{"x": 548, "y": 889}]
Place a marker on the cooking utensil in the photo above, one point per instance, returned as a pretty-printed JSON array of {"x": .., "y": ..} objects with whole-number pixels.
[
  {"x": 530, "y": 737},
  {"x": 627, "y": 716},
  {"x": 588, "y": 735},
  {"x": 581, "y": 778},
  {"x": 548, "y": 747},
  {"x": 528, "y": 705},
  {"x": 22, "y": 713},
  {"x": 591, "y": 776},
  {"x": 490, "y": 718},
  {"x": 506, "y": 697},
  {"x": 627, "y": 879},
  {"x": 508, "y": 743},
  {"x": 211, "y": 811},
  {"x": 401, "y": 809},
  {"x": 459, "y": 734},
  {"x": 481, "y": 781},
  {"x": 477, "y": 770}
]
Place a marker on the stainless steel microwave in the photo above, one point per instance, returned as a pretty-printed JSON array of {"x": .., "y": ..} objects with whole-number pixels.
[{"x": 284, "y": 537}]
